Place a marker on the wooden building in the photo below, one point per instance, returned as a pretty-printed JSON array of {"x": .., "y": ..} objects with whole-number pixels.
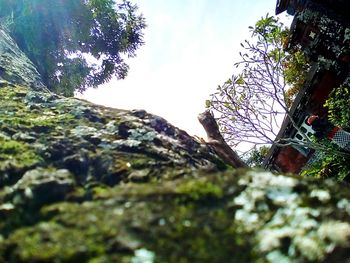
[{"x": 321, "y": 29}]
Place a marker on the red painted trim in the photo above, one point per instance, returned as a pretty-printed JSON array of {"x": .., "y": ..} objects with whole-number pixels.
[{"x": 333, "y": 132}]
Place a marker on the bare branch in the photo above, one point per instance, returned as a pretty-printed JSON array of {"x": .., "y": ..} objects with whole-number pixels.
[{"x": 251, "y": 105}]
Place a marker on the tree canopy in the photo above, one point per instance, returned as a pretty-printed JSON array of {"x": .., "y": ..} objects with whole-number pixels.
[
  {"x": 251, "y": 105},
  {"x": 75, "y": 44}
]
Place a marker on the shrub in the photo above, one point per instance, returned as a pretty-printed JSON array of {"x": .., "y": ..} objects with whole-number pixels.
[
  {"x": 330, "y": 163},
  {"x": 333, "y": 162},
  {"x": 338, "y": 105}
]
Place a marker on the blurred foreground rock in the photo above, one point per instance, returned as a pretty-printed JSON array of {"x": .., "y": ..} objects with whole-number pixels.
[{"x": 86, "y": 183}]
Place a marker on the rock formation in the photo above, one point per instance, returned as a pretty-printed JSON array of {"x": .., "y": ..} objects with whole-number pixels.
[
  {"x": 15, "y": 67},
  {"x": 86, "y": 183}
]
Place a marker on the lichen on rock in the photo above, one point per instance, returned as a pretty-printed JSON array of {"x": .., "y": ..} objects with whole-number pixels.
[{"x": 86, "y": 183}]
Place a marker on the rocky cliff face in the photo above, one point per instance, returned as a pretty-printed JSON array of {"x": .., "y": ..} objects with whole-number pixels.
[
  {"x": 85, "y": 183},
  {"x": 15, "y": 67}
]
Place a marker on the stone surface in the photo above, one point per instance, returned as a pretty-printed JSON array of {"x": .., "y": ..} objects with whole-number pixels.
[
  {"x": 86, "y": 183},
  {"x": 15, "y": 67}
]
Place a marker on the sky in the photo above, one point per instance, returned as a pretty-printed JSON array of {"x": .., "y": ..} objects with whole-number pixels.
[{"x": 190, "y": 48}]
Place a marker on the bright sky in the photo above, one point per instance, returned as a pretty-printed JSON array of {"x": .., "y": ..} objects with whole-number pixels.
[{"x": 191, "y": 46}]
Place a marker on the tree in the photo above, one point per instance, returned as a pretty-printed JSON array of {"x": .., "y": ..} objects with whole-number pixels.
[
  {"x": 75, "y": 44},
  {"x": 251, "y": 105},
  {"x": 256, "y": 156}
]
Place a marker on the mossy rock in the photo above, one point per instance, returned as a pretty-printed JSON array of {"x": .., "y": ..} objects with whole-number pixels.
[{"x": 86, "y": 183}]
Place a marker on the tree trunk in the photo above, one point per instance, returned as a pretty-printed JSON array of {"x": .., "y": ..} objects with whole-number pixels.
[
  {"x": 15, "y": 67},
  {"x": 217, "y": 142}
]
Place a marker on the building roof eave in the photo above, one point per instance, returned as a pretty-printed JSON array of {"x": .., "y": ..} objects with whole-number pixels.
[
  {"x": 281, "y": 6},
  {"x": 286, "y": 124}
]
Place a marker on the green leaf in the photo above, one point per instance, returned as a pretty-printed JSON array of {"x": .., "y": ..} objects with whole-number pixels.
[
  {"x": 208, "y": 104},
  {"x": 240, "y": 81}
]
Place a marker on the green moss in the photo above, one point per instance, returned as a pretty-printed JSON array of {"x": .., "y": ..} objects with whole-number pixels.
[
  {"x": 79, "y": 194},
  {"x": 105, "y": 259},
  {"x": 26, "y": 121},
  {"x": 51, "y": 242},
  {"x": 9, "y": 92},
  {"x": 17, "y": 114},
  {"x": 17, "y": 154},
  {"x": 100, "y": 192},
  {"x": 149, "y": 216},
  {"x": 199, "y": 189},
  {"x": 181, "y": 207},
  {"x": 190, "y": 233},
  {"x": 139, "y": 162}
]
